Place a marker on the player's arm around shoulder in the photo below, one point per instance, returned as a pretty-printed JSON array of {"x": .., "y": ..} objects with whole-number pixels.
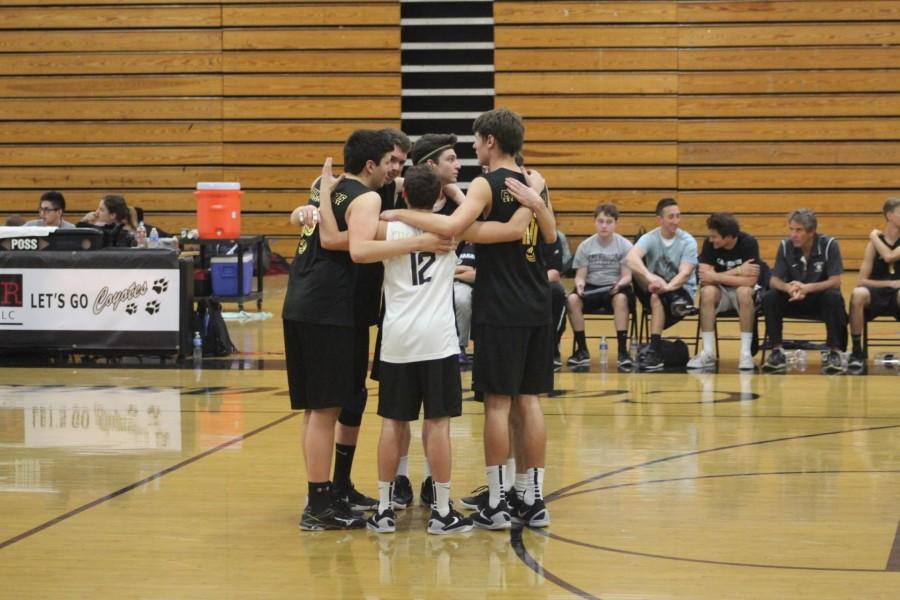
[
  {"x": 368, "y": 241},
  {"x": 442, "y": 225}
]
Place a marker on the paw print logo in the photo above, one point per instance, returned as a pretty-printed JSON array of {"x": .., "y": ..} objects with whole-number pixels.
[
  {"x": 152, "y": 307},
  {"x": 131, "y": 308},
  {"x": 160, "y": 286}
]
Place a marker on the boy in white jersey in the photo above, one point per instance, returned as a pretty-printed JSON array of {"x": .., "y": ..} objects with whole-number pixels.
[{"x": 419, "y": 363}]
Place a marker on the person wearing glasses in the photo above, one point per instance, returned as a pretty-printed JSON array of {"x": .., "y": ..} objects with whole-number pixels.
[{"x": 51, "y": 209}]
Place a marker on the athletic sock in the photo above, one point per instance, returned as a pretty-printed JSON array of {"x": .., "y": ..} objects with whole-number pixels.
[
  {"x": 442, "y": 497},
  {"x": 746, "y": 342},
  {"x": 656, "y": 342},
  {"x": 403, "y": 467},
  {"x": 509, "y": 471},
  {"x": 709, "y": 342},
  {"x": 495, "y": 484},
  {"x": 319, "y": 495},
  {"x": 857, "y": 343},
  {"x": 535, "y": 489},
  {"x": 622, "y": 341},
  {"x": 427, "y": 470},
  {"x": 343, "y": 462},
  {"x": 521, "y": 484},
  {"x": 580, "y": 342},
  {"x": 385, "y": 491}
]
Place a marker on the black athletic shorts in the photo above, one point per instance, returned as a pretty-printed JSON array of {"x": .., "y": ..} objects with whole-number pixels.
[
  {"x": 596, "y": 299},
  {"x": 513, "y": 360},
  {"x": 375, "y": 374},
  {"x": 667, "y": 299},
  {"x": 406, "y": 387},
  {"x": 319, "y": 365},
  {"x": 883, "y": 302},
  {"x": 360, "y": 355}
]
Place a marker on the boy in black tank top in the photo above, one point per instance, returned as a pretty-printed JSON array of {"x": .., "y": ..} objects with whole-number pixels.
[
  {"x": 513, "y": 334},
  {"x": 319, "y": 323},
  {"x": 878, "y": 292}
]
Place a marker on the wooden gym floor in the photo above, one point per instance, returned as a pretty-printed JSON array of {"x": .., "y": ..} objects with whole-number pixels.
[{"x": 165, "y": 483}]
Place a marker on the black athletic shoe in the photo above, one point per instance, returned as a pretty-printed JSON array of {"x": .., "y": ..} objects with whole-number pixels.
[
  {"x": 497, "y": 517},
  {"x": 832, "y": 363},
  {"x": 513, "y": 500},
  {"x": 355, "y": 499},
  {"x": 335, "y": 516},
  {"x": 426, "y": 493},
  {"x": 403, "y": 493},
  {"x": 651, "y": 360},
  {"x": 581, "y": 358},
  {"x": 382, "y": 522},
  {"x": 856, "y": 363},
  {"x": 477, "y": 500},
  {"x": 557, "y": 361},
  {"x": 681, "y": 308},
  {"x": 776, "y": 362},
  {"x": 533, "y": 515},
  {"x": 624, "y": 361},
  {"x": 452, "y": 523}
]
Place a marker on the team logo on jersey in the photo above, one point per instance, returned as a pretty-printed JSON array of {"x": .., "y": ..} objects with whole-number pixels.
[
  {"x": 339, "y": 199},
  {"x": 314, "y": 195},
  {"x": 506, "y": 196},
  {"x": 529, "y": 240},
  {"x": 306, "y": 232}
]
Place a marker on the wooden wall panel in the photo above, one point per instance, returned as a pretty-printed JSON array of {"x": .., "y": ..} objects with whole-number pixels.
[
  {"x": 754, "y": 107},
  {"x": 148, "y": 97},
  {"x": 769, "y": 105}
]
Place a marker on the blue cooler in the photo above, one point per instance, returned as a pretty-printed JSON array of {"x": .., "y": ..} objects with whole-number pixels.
[{"x": 224, "y": 271}]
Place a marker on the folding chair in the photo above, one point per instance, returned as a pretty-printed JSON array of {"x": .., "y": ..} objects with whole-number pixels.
[{"x": 878, "y": 342}]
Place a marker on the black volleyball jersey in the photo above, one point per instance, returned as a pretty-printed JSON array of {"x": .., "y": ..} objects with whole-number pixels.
[
  {"x": 322, "y": 282},
  {"x": 370, "y": 276},
  {"x": 511, "y": 288},
  {"x": 884, "y": 271}
]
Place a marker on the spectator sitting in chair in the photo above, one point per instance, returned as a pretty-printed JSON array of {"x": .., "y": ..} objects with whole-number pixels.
[
  {"x": 729, "y": 270},
  {"x": 879, "y": 281},
  {"x": 463, "y": 283},
  {"x": 557, "y": 257},
  {"x": 51, "y": 208},
  {"x": 806, "y": 282},
  {"x": 602, "y": 284},
  {"x": 114, "y": 218},
  {"x": 662, "y": 263}
]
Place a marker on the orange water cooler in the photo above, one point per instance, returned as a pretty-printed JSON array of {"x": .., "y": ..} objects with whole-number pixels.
[{"x": 218, "y": 210}]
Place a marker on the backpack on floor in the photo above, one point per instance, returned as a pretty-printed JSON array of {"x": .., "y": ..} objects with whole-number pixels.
[
  {"x": 213, "y": 330},
  {"x": 675, "y": 353}
]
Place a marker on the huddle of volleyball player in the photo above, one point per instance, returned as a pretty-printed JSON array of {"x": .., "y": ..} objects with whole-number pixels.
[{"x": 351, "y": 224}]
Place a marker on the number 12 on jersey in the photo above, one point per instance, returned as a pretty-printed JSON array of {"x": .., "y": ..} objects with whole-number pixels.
[{"x": 420, "y": 262}]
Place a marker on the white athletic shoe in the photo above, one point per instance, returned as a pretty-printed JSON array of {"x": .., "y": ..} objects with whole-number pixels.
[
  {"x": 703, "y": 360},
  {"x": 745, "y": 363}
]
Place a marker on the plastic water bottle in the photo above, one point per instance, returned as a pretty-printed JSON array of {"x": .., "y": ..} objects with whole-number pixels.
[
  {"x": 633, "y": 349},
  {"x": 153, "y": 239},
  {"x": 141, "y": 235},
  {"x": 800, "y": 359},
  {"x": 198, "y": 350},
  {"x": 887, "y": 359},
  {"x": 604, "y": 352}
]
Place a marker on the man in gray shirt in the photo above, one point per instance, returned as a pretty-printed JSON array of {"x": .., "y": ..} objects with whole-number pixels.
[
  {"x": 663, "y": 262},
  {"x": 52, "y": 207},
  {"x": 602, "y": 284}
]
